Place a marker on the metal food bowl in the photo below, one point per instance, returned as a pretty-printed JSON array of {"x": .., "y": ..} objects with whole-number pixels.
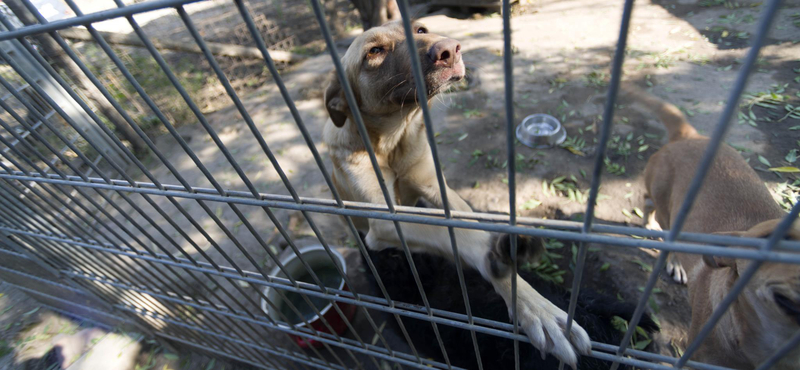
[
  {"x": 541, "y": 131},
  {"x": 326, "y": 270}
]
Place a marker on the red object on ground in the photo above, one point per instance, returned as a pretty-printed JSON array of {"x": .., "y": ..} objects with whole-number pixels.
[{"x": 334, "y": 320}]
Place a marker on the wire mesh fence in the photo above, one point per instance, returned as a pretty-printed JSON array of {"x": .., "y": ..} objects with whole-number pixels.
[{"x": 148, "y": 244}]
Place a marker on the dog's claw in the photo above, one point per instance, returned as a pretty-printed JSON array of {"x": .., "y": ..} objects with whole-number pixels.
[
  {"x": 545, "y": 325},
  {"x": 580, "y": 339},
  {"x": 683, "y": 279},
  {"x": 676, "y": 270},
  {"x": 537, "y": 335}
]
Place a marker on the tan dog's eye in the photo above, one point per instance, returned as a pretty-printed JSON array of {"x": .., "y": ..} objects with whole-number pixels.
[
  {"x": 422, "y": 30},
  {"x": 374, "y": 51}
]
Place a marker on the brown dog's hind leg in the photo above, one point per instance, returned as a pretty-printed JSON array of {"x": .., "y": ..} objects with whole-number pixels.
[
  {"x": 650, "y": 222},
  {"x": 674, "y": 266}
]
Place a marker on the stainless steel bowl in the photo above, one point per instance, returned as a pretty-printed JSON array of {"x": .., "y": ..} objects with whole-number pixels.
[
  {"x": 319, "y": 261},
  {"x": 541, "y": 131}
]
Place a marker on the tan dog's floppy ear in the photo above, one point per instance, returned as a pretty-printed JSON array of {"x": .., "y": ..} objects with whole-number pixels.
[
  {"x": 766, "y": 228},
  {"x": 762, "y": 230},
  {"x": 720, "y": 261},
  {"x": 335, "y": 102}
]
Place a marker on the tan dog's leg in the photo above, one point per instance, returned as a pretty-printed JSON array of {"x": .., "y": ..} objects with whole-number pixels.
[
  {"x": 431, "y": 193},
  {"x": 543, "y": 322},
  {"x": 406, "y": 194},
  {"x": 422, "y": 176}
]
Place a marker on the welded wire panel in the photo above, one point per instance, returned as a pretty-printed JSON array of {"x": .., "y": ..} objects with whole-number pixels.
[{"x": 193, "y": 239}]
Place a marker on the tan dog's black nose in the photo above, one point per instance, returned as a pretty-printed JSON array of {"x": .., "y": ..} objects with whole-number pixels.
[{"x": 445, "y": 53}]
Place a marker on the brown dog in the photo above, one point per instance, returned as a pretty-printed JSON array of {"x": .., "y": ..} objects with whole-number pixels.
[
  {"x": 377, "y": 66},
  {"x": 732, "y": 201}
]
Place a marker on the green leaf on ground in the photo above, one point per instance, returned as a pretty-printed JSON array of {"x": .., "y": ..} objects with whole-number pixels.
[
  {"x": 531, "y": 204},
  {"x": 644, "y": 266},
  {"x": 791, "y": 157},
  {"x": 785, "y": 169}
]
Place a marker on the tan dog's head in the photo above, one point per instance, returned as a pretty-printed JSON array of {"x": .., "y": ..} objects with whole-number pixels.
[
  {"x": 774, "y": 291},
  {"x": 378, "y": 67}
]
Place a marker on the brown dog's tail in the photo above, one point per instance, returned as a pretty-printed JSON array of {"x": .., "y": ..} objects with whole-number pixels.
[{"x": 671, "y": 116}]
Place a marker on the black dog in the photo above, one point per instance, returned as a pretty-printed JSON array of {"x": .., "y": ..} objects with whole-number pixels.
[{"x": 439, "y": 278}]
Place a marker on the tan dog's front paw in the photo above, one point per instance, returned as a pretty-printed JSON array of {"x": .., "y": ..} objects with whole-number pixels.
[
  {"x": 545, "y": 325},
  {"x": 676, "y": 270}
]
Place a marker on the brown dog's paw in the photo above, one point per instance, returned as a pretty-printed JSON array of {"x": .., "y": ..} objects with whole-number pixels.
[{"x": 529, "y": 249}]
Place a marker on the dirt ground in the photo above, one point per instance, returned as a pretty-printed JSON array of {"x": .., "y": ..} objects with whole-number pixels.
[
  {"x": 34, "y": 337},
  {"x": 688, "y": 51}
]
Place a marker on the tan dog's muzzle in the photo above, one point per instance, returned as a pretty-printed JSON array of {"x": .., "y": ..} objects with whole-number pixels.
[{"x": 445, "y": 53}]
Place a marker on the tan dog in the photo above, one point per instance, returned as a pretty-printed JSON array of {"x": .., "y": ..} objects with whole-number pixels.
[
  {"x": 378, "y": 68},
  {"x": 732, "y": 201},
  {"x": 764, "y": 317}
]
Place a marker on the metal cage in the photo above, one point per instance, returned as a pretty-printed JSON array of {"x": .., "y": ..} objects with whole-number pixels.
[{"x": 72, "y": 217}]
